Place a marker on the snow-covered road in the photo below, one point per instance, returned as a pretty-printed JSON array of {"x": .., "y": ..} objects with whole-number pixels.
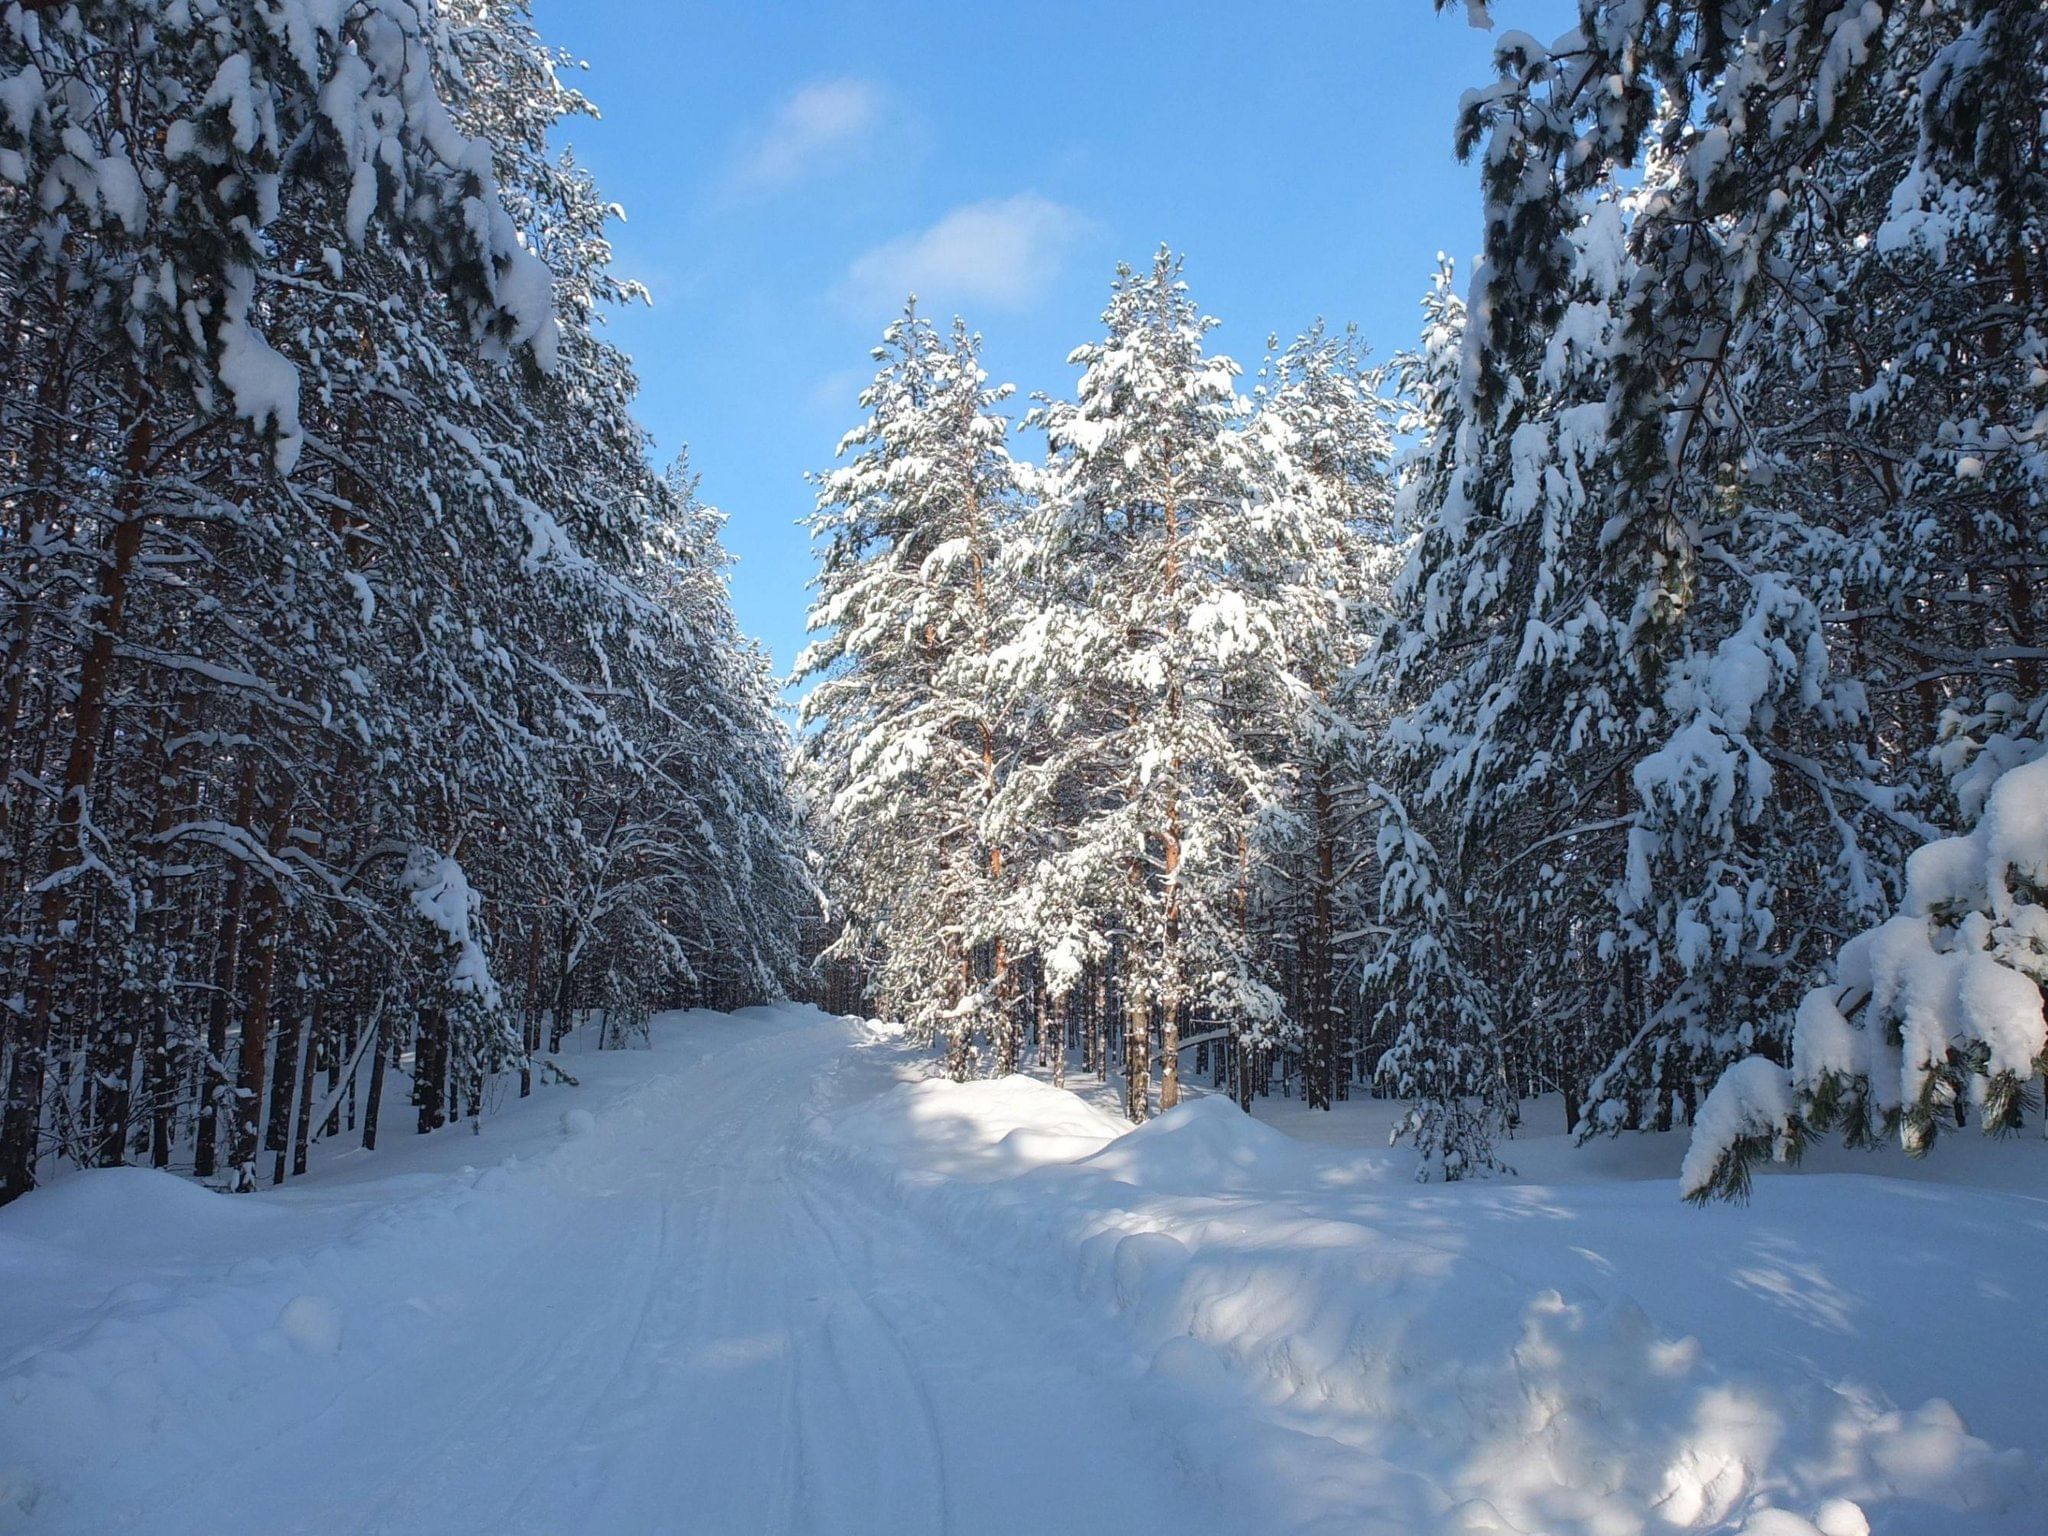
[
  {"x": 772, "y": 1276},
  {"x": 654, "y": 1319}
]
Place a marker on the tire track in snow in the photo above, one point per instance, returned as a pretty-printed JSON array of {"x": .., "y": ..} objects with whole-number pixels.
[
  {"x": 931, "y": 1491},
  {"x": 667, "y": 1323}
]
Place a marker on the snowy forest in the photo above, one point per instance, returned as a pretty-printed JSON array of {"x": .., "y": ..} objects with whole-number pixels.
[
  {"x": 1630, "y": 691},
  {"x": 1260, "y": 951},
  {"x": 369, "y": 702}
]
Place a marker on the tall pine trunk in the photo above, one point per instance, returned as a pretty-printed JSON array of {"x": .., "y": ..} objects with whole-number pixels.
[
  {"x": 226, "y": 966},
  {"x": 1137, "y": 1060},
  {"x": 1320, "y": 953},
  {"x": 264, "y": 940},
  {"x": 21, "y": 1123},
  {"x": 430, "y": 1069}
]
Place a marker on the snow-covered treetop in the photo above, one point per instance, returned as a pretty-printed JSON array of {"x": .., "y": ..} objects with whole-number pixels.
[{"x": 173, "y": 135}]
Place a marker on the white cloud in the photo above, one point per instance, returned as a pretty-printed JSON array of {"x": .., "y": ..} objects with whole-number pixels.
[
  {"x": 813, "y": 129},
  {"x": 1002, "y": 253}
]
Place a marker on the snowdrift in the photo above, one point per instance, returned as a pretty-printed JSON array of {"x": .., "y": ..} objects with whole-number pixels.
[{"x": 1846, "y": 1356}]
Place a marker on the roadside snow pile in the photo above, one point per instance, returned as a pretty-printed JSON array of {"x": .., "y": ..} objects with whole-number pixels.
[
  {"x": 936, "y": 1131},
  {"x": 1205, "y": 1146},
  {"x": 1588, "y": 1359}
]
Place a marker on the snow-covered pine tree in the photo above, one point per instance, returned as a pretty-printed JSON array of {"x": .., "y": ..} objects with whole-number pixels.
[
  {"x": 1427, "y": 971},
  {"x": 907, "y": 745},
  {"x": 323, "y": 575},
  {"x": 1509, "y": 664},
  {"x": 159, "y": 164},
  {"x": 1152, "y": 648},
  {"x": 734, "y": 889},
  {"x": 1931, "y": 222},
  {"x": 678, "y": 878},
  {"x": 1448, "y": 1054},
  {"x": 1321, "y": 431},
  {"x": 1667, "y": 491}
]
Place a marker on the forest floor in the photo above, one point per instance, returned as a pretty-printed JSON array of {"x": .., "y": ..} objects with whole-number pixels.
[{"x": 770, "y": 1276}]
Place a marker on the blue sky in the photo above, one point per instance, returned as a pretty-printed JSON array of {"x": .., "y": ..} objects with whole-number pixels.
[{"x": 790, "y": 171}]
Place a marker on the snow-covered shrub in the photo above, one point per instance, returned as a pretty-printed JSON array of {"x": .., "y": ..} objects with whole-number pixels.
[{"x": 1934, "y": 1016}]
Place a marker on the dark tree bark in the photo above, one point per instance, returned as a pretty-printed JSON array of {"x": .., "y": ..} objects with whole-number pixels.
[
  {"x": 21, "y": 1123},
  {"x": 430, "y": 1070}
]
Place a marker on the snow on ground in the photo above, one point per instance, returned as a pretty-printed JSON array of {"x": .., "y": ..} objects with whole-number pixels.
[
  {"x": 1541, "y": 1152},
  {"x": 769, "y": 1277},
  {"x": 616, "y": 1309},
  {"x": 1582, "y": 1354}
]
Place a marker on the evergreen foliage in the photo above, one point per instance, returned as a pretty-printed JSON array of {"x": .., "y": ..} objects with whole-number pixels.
[
  {"x": 369, "y": 707},
  {"x": 1702, "y": 636}
]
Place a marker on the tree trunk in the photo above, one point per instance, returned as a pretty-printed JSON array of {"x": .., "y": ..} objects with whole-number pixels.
[
  {"x": 1169, "y": 1051},
  {"x": 1137, "y": 1065},
  {"x": 1059, "y": 1017},
  {"x": 959, "y": 1028},
  {"x": 530, "y": 1028},
  {"x": 341, "y": 1056},
  {"x": 1008, "y": 1029},
  {"x": 256, "y": 1017},
  {"x": 21, "y": 1124},
  {"x": 302, "y": 1130},
  {"x": 430, "y": 1069},
  {"x": 287, "y": 1086},
  {"x": 1098, "y": 1022},
  {"x": 226, "y": 966},
  {"x": 373, "y": 1101},
  {"x": 1320, "y": 953},
  {"x": 565, "y": 988}
]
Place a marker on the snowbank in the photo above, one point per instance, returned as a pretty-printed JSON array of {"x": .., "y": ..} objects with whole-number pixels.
[{"x": 1566, "y": 1359}]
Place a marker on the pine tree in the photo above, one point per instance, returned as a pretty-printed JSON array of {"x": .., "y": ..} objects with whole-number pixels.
[
  {"x": 1653, "y": 642},
  {"x": 326, "y": 575},
  {"x": 909, "y": 743},
  {"x": 1156, "y": 642},
  {"x": 1428, "y": 972},
  {"x": 1322, "y": 431},
  {"x": 1932, "y": 234},
  {"x": 1764, "y": 367},
  {"x": 166, "y": 163}
]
